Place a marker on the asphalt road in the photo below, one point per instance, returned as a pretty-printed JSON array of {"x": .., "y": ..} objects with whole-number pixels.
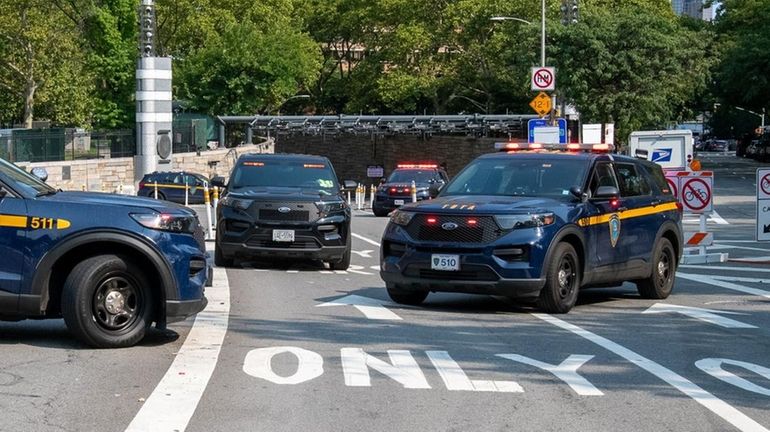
[{"x": 290, "y": 360}]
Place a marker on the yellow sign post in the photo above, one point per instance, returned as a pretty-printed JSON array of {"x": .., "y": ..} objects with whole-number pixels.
[{"x": 541, "y": 104}]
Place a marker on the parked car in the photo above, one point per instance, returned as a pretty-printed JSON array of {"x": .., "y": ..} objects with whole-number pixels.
[{"x": 171, "y": 186}]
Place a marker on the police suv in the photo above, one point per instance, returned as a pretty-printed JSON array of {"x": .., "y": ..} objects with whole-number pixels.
[
  {"x": 538, "y": 222},
  {"x": 110, "y": 265},
  {"x": 283, "y": 206},
  {"x": 397, "y": 189}
]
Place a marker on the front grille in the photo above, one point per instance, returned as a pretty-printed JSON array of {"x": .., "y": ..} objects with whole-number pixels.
[
  {"x": 484, "y": 231},
  {"x": 275, "y": 215},
  {"x": 300, "y": 243},
  {"x": 200, "y": 236},
  {"x": 468, "y": 272}
]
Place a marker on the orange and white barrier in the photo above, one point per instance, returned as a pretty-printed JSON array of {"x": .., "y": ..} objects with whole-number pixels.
[{"x": 696, "y": 239}]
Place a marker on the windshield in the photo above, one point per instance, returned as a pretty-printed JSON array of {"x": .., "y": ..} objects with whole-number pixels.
[
  {"x": 519, "y": 177},
  {"x": 406, "y": 176},
  {"x": 284, "y": 173},
  {"x": 22, "y": 181}
]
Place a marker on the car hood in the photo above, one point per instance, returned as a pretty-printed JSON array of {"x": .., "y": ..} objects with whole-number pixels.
[
  {"x": 96, "y": 198},
  {"x": 282, "y": 193},
  {"x": 482, "y": 204}
]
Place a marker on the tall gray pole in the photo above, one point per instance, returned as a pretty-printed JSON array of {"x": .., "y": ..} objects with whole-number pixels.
[{"x": 542, "y": 35}]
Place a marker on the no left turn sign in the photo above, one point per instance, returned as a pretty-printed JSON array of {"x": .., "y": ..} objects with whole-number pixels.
[
  {"x": 697, "y": 196},
  {"x": 763, "y": 183},
  {"x": 543, "y": 78}
]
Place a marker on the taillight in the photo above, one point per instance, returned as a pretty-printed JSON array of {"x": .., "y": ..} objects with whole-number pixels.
[
  {"x": 141, "y": 185},
  {"x": 679, "y": 206}
]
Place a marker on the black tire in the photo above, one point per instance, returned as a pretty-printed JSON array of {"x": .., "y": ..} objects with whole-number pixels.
[
  {"x": 562, "y": 281},
  {"x": 220, "y": 260},
  {"x": 344, "y": 263},
  {"x": 661, "y": 281},
  {"x": 107, "y": 302},
  {"x": 379, "y": 212},
  {"x": 160, "y": 195},
  {"x": 406, "y": 297}
]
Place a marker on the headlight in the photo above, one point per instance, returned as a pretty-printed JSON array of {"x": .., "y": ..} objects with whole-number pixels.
[
  {"x": 235, "y": 203},
  {"x": 508, "y": 222},
  {"x": 167, "y": 222},
  {"x": 327, "y": 208},
  {"x": 400, "y": 217}
]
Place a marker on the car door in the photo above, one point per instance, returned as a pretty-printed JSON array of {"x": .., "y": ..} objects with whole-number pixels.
[
  {"x": 13, "y": 236},
  {"x": 601, "y": 227},
  {"x": 638, "y": 213}
]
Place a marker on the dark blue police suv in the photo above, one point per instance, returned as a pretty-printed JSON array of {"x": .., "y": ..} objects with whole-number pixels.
[
  {"x": 396, "y": 190},
  {"x": 109, "y": 265},
  {"x": 538, "y": 222}
]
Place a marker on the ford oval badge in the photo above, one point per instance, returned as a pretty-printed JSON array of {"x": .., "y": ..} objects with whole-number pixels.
[
  {"x": 449, "y": 226},
  {"x": 284, "y": 209}
]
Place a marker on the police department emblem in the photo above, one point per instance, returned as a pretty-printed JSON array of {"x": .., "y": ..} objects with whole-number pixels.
[{"x": 614, "y": 229}]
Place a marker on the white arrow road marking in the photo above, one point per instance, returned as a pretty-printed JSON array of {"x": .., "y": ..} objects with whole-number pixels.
[
  {"x": 357, "y": 269},
  {"x": 371, "y": 308},
  {"x": 725, "y": 284},
  {"x": 364, "y": 253},
  {"x": 173, "y": 402},
  {"x": 708, "y": 315},
  {"x": 719, "y": 407},
  {"x": 377, "y": 268},
  {"x": 370, "y": 241}
]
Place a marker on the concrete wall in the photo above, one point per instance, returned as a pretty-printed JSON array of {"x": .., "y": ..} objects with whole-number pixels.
[
  {"x": 114, "y": 175},
  {"x": 351, "y": 154}
]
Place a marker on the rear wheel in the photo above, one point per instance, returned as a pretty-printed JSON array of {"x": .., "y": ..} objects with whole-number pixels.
[
  {"x": 562, "y": 281},
  {"x": 661, "y": 281},
  {"x": 107, "y": 303},
  {"x": 407, "y": 297}
]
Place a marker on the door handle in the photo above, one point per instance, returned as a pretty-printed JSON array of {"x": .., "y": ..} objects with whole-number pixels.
[
  {"x": 656, "y": 202},
  {"x": 622, "y": 209}
]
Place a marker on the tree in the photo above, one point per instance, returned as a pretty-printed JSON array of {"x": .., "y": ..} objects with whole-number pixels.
[
  {"x": 637, "y": 70},
  {"x": 248, "y": 69},
  {"x": 40, "y": 64}
]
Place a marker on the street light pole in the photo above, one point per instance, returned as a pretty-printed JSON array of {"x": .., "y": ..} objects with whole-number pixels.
[
  {"x": 761, "y": 116},
  {"x": 542, "y": 34}
]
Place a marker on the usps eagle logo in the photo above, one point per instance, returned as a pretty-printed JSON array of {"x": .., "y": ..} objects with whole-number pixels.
[{"x": 614, "y": 229}]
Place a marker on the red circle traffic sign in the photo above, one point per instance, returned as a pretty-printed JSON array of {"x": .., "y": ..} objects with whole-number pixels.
[
  {"x": 698, "y": 198},
  {"x": 765, "y": 184},
  {"x": 673, "y": 188},
  {"x": 543, "y": 78}
]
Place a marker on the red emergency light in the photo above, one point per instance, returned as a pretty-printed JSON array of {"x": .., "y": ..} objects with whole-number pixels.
[
  {"x": 514, "y": 147},
  {"x": 416, "y": 166}
]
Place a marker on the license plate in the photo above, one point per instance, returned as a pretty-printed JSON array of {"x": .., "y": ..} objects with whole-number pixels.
[
  {"x": 398, "y": 202},
  {"x": 283, "y": 235},
  {"x": 445, "y": 262}
]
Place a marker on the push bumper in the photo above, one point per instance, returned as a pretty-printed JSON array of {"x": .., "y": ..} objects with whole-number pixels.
[
  {"x": 178, "y": 310},
  {"x": 324, "y": 253}
]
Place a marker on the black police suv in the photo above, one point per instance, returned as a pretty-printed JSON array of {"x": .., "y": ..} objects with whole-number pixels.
[
  {"x": 283, "y": 206},
  {"x": 540, "y": 223},
  {"x": 397, "y": 189},
  {"x": 110, "y": 265},
  {"x": 171, "y": 186}
]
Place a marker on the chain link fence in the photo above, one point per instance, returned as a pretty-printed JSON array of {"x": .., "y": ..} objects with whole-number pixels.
[{"x": 58, "y": 144}]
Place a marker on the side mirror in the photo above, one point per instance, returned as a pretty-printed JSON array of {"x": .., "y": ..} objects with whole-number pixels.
[
  {"x": 349, "y": 184},
  {"x": 434, "y": 189},
  {"x": 218, "y": 181},
  {"x": 383, "y": 180},
  {"x": 578, "y": 193},
  {"x": 40, "y": 173},
  {"x": 605, "y": 193}
]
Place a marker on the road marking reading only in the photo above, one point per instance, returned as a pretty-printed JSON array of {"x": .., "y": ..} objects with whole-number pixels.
[
  {"x": 370, "y": 241},
  {"x": 174, "y": 400},
  {"x": 703, "y": 397},
  {"x": 371, "y": 308}
]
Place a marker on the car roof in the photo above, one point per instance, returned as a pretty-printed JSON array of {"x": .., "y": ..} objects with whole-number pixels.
[{"x": 282, "y": 157}]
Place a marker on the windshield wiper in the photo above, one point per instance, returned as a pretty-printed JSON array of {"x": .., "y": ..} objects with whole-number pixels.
[{"x": 46, "y": 193}]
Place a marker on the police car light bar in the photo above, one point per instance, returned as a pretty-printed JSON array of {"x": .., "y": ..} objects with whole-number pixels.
[
  {"x": 599, "y": 148},
  {"x": 417, "y": 166}
]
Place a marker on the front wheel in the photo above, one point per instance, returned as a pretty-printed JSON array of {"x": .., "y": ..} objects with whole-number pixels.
[
  {"x": 342, "y": 264},
  {"x": 220, "y": 260},
  {"x": 661, "y": 281},
  {"x": 562, "y": 281},
  {"x": 107, "y": 302}
]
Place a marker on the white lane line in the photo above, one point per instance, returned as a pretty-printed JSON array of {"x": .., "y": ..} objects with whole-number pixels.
[
  {"x": 740, "y": 279},
  {"x": 173, "y": 402},
  {"x": 718, "y": 219},
  {"x": 743, "y": 269},
  {"x": 725, "y": 284},
  {"x": 689, "y": 388},
  {"x": 370, "y": 241}
]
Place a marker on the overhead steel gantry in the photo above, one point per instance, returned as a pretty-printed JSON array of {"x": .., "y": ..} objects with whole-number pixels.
[{"x": 471, "y": 125}]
